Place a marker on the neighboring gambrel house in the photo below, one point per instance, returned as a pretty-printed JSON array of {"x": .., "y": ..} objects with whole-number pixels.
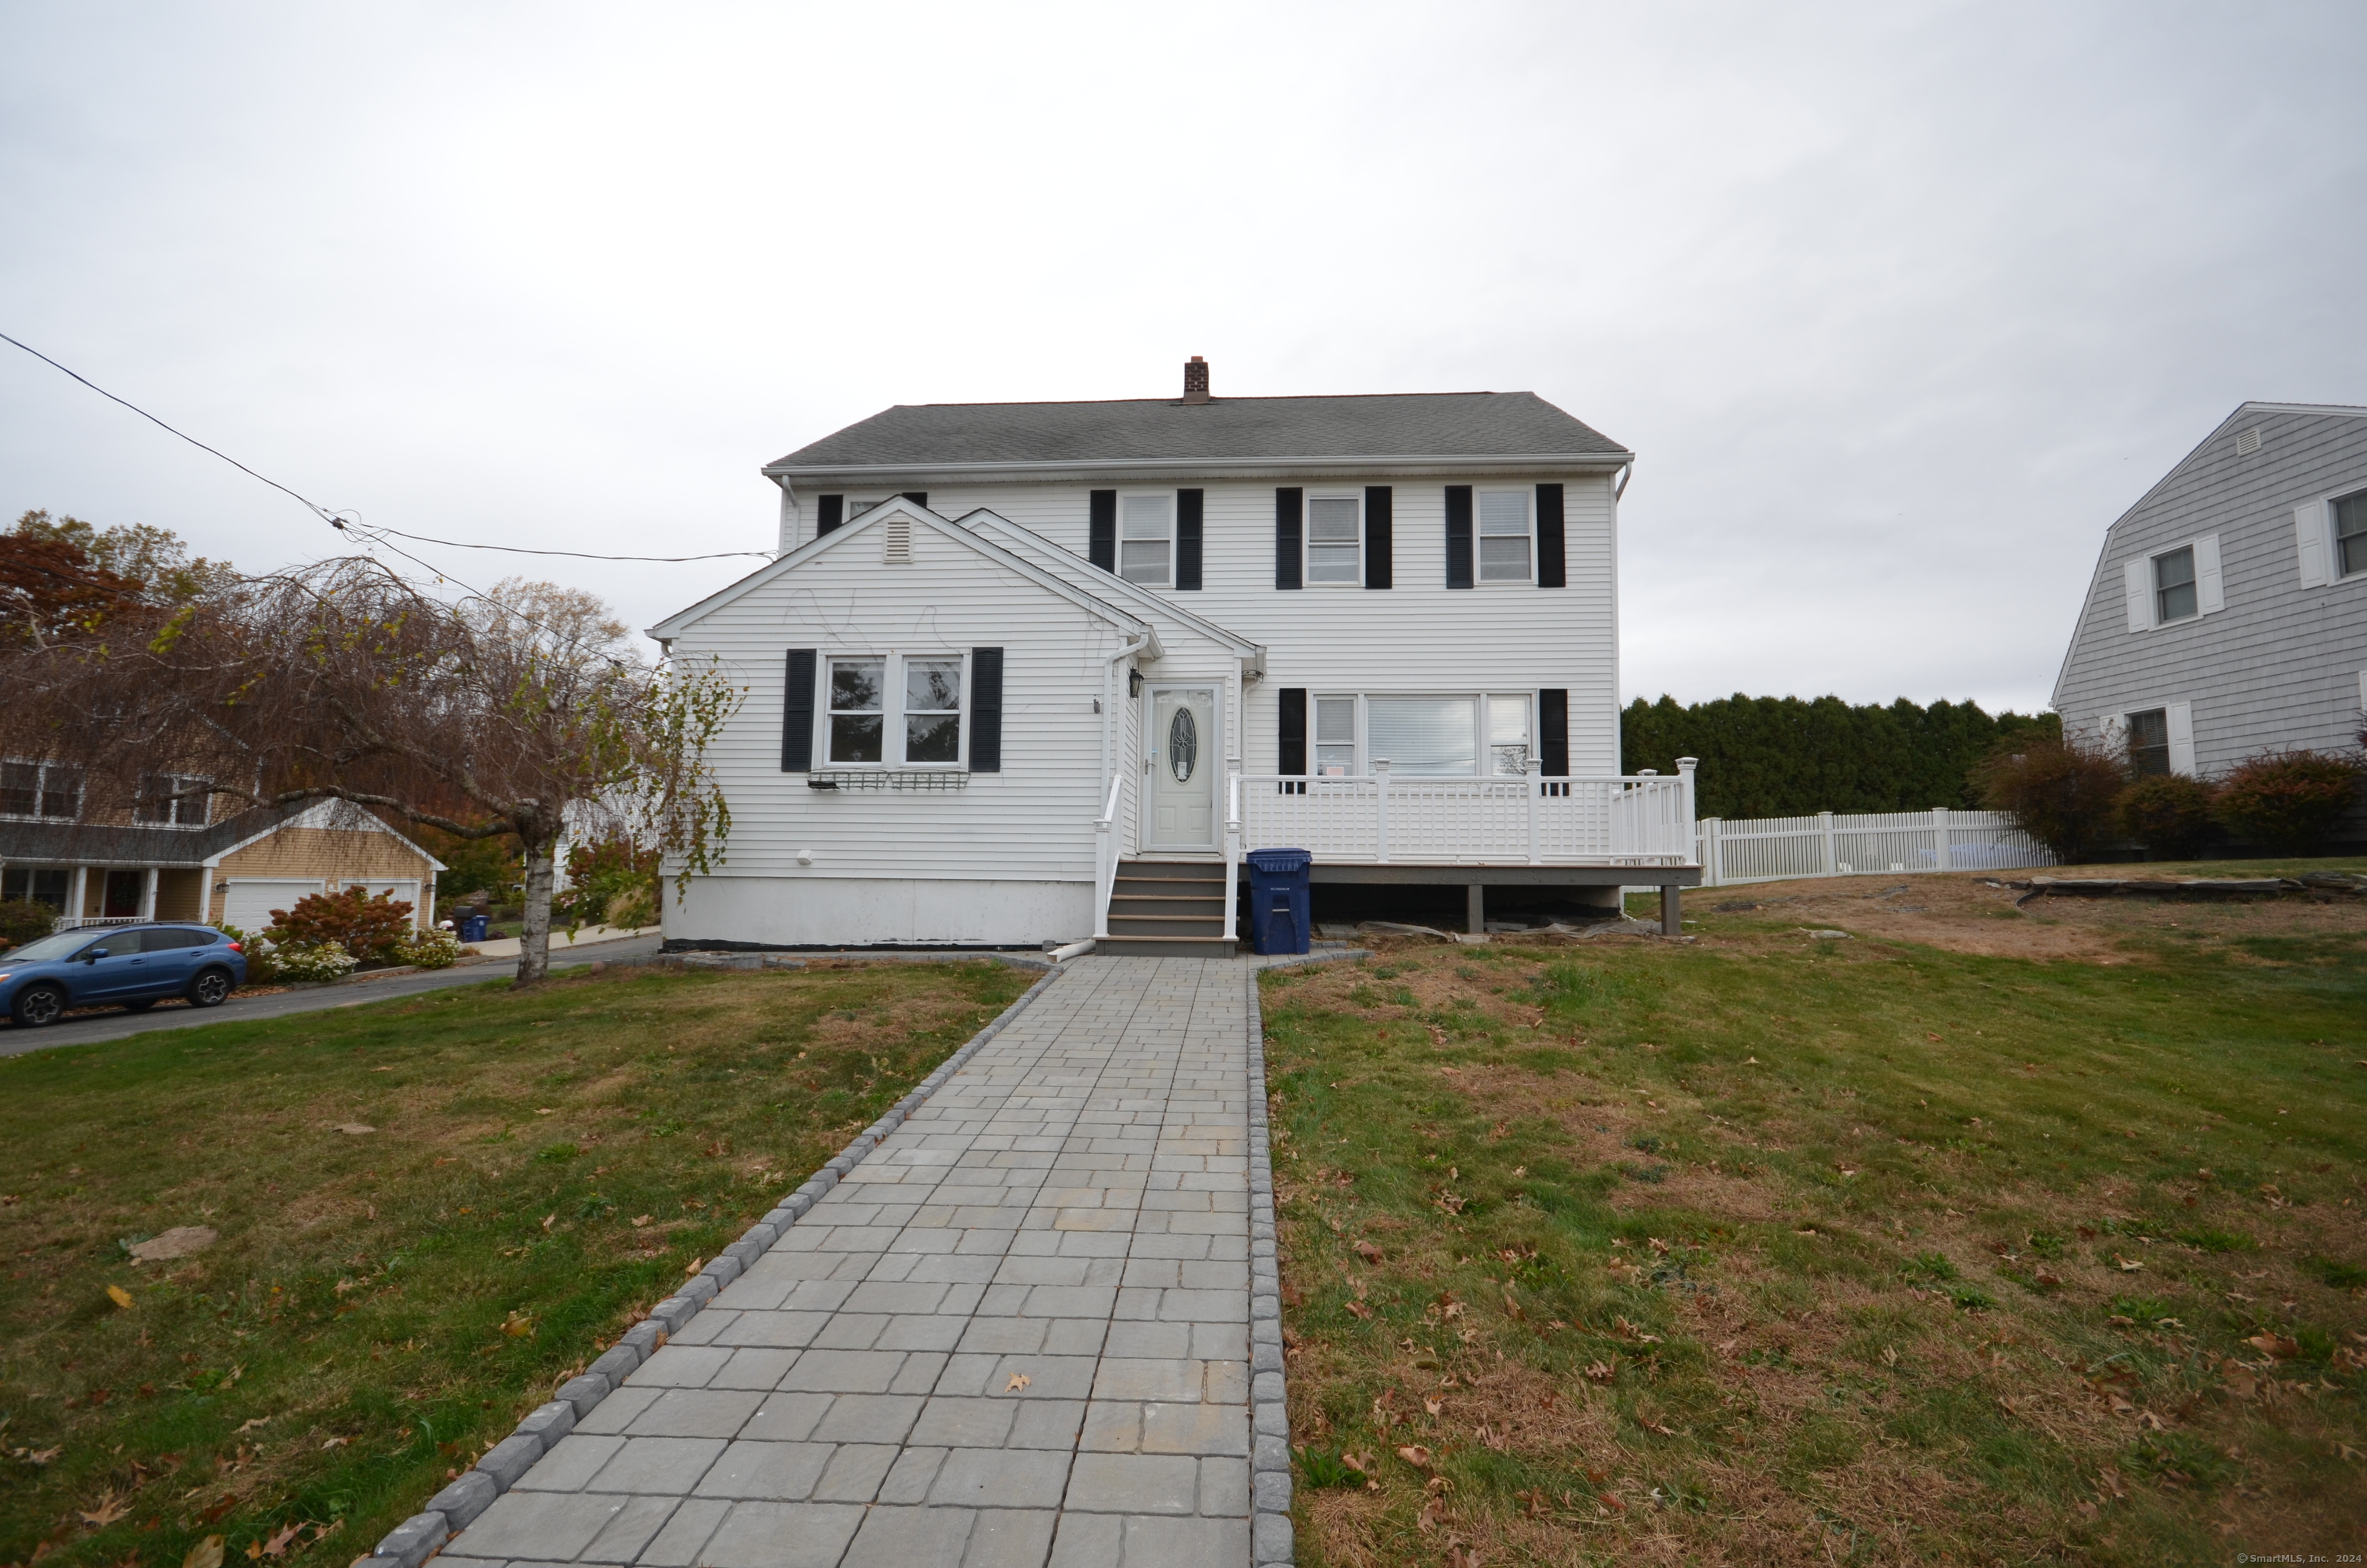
[
  {"x": 1029, "y": 672},
  {"x": 2228, "y": 612}
]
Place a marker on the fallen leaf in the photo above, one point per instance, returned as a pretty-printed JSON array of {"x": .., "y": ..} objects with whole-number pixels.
[
  {"x": 1431, "y": 1407},
  {"x": 118, "y": 1295},
  {"x": 278, "y": 1544},
  {"x": 249, "y": 1425},
  {"x": 110, "y": 1508},
  {"x": 1415, "y": 1455},
  {"x": 1357, "y": 1462},
  {"x": 549, "y": 1220},
  {"x": 640, "y": 1220},
  {"x": 546, "y": 1110},
  {"x": 1018, "y": 1381},
  {"x": 357, "y": 1129},
  {"x": 517, "y": 1326},
  {"x": 1368, "y": 1252},
  {"x": 2126, "y": 1266},
  {"x": 1598, "y": 1372},
  {"x": 207, "y": 1553},
  {"x": 696, "y": 1265},
  {"x": 1358, "y": 1309},
  {"x": 2275, "y": 1344}
]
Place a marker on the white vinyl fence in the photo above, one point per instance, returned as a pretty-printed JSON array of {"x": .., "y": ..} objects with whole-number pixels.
[{"x": 1770, "y": 849}]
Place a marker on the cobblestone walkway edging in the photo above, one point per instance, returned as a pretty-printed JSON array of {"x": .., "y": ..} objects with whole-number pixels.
[
  {"x": 456, "y": 1506},
  {"x": 1270, "y": 1530}
]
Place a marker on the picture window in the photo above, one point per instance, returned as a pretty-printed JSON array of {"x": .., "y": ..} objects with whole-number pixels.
[
  {"x": 37, "y": 884},
  {"x": 1451, "y": 735}
]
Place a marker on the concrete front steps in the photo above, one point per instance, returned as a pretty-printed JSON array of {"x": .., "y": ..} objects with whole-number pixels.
[{"x": 1168, "y": 909}]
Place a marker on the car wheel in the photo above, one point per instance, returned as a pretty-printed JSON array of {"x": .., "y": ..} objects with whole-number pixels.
[
  {"x": 211, "y": 989},
  {"x": 142, "y": 1006},
  {"x": 38, "y": 1005}
]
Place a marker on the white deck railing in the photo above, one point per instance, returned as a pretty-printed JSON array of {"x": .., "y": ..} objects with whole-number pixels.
[
  {"x": 1770, "y": 849},
  {"x": 78, "y": 922},
  {"x": 1637, "y": 820}
]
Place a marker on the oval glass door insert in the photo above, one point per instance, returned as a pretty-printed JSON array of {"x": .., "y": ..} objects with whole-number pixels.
[{"x": 1183, "y": 745}]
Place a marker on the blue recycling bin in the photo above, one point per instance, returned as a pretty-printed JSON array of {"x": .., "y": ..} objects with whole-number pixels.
[
  {"x": 472, "y": 927},
  {"x": 1280, "y": 918}
]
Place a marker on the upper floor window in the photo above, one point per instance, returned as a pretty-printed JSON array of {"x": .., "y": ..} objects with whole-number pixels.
[
  {"x": 50, "y": 789},
  {"x": 1336, "y": 538},
  {"x": 2351, "y": 535},
  {"x": 173, "y": 799},
  {"x": 2150, "y": 741},
  {"x": 896, "y": 711},
  {"x": 2173, "y": 586},
  {"x": 1504, "y": 536},
  {"x": 1146, "y": 545}
]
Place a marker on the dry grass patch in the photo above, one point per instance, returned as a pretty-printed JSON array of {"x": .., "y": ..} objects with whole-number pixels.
[{"x": 1764, "y": 1250}]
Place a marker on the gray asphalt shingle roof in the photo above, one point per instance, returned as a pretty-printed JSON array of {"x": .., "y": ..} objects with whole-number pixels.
[{"x": 1474, "y": 425}]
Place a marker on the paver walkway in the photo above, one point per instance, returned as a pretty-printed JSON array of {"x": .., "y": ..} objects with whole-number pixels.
[{"x": 1017, "y": 1333}]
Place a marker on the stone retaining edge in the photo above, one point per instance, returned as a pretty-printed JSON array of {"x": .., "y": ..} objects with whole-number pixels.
[{"x": 455, "y": 1507}]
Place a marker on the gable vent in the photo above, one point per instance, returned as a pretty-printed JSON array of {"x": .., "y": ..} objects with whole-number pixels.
[
  {"x": 899, "y": 530},
  {"x": 2249, "y": 442}
]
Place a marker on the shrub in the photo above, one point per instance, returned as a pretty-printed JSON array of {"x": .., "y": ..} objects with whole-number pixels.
[
  {"x": 2168, "y": 813},
  {"x": 313, "y": 960},
  {"x": 22, "y": 921},
  {"x": 262, "y": 967},
  {"x": 2288, "y": 800},
  {"x": 611, "y": 881},
  {"x": 2061, "y": 793},
  {"x": 429, "y": 949},
  {"x": 362, "y": 926}
]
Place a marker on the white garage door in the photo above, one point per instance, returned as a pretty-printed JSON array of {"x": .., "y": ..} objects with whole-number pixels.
[
  {"x": 404, "y": 893},
  {"x": 251, "y": 899}
]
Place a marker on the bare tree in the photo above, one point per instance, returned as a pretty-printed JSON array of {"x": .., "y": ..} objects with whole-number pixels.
[{"x": 518, "y": 711}]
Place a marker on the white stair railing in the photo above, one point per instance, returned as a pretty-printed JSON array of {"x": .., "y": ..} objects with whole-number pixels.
[{"x": 1105, "y": 848}]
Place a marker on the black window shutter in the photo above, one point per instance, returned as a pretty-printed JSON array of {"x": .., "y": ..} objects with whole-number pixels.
[
  {"x": 1292, "y": 750},
  {"x": 798, "y": 709},
  {"x": 917, "y": 498},
  {"x": 1458, "y": 536},
  {"x": 1380, "y": 536},
  {"x": 986, "y": 709},
  {"x": 1550, "y": 571},
  {"x": 830, "y": 514},
  {"x": 1552, "y": 732},
  {"x": 1188, "y": 507},
  {"x": 1101, "y": 543},
  {"x": 1289, "y": 512}
]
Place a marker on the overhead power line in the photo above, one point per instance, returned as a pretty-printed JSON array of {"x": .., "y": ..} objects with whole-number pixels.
[{"x": 354, "y": 526}]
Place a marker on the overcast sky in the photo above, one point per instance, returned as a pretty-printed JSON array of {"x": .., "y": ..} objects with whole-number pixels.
[{"x": 1900, "y": 304}]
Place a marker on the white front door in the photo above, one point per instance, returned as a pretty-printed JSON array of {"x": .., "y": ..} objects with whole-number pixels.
[{"x": 1184, "y": 758}]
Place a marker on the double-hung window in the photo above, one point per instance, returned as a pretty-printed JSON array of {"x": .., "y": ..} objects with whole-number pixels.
[
  {"x": 2173, "y": 586},
  {"x": 40, "y": 789},
  {"x": 895, "y": 710},
  {"x": 1146, "y": 545},
  {"x": 1504, "y": 535},
  {"x": 2351, "y": 535},
  {"x": 1335, "y": 736},
  {"x": 39, "y": 884},
  {"x": 2149, "y": 743},
  {"x": 172, "y": 799},
  {"x": 1336, "y": 538}
]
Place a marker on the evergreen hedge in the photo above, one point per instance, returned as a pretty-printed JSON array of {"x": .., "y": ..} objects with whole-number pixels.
[{"x": 1782, "y": 756}]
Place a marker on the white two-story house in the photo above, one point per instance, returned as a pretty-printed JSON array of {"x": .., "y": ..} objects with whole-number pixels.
[{"x": 1035, "y": 672}]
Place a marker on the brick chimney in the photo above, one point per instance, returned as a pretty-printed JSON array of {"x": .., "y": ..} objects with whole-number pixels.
[{"x": 1196, "y": 379}]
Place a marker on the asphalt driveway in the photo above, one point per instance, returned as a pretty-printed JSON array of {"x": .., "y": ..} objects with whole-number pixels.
[{"x": 15, "y": 1041}]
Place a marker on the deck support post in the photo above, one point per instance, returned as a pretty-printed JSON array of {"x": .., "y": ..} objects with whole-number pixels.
[
  {"x": 1475, "y": 908},
  {"x": 1671, "y": 911}
]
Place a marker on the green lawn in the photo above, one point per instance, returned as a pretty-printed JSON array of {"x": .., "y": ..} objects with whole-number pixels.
[
  {"x": 1775, "y": 1249},
  {"x": 384, "y": 1305}
]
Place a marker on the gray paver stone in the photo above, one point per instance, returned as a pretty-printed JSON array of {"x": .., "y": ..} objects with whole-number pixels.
[
  {"x": 673, "y": 1312},
  {"x": 1271, "y": 1491},
  {"x": 549, "y": 1423},
  {"x": 507, "y": 1459},
  {"x": 1271, "y": 1453},
  {"x": 617, "y": 1363},
  {"x": 723, "y": 1270},
  {"x": 910, "y": 1537},
  {"x": 464, "y": 1499},
  {"x": 584, "y": 1392},
  {"x": 1273, "y": 1543},
  {"x": 410, "y": 1541},
  {"x": 701, "y": 1289},
  {"x": 645, "y": 1337}
]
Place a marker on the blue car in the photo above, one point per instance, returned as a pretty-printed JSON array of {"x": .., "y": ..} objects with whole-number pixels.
[{"x": 133, "y": 966}]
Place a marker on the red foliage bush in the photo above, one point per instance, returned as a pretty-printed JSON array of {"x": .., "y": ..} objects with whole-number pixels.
[
  {"x": 369, "y": 927},
  {"x": 2289, "y": 800},
  {"x": 2061, "y": 791}
]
